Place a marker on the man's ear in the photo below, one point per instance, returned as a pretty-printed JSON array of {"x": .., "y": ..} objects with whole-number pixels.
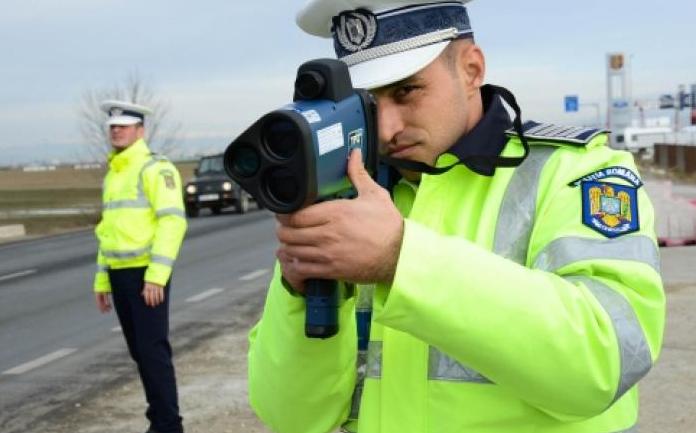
[{"x": 472, "y": 64}]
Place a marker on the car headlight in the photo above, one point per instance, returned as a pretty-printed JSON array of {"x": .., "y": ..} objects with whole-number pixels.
[
  {"x": 191, "y": 189},
  {"x": 227, "y": 186}
]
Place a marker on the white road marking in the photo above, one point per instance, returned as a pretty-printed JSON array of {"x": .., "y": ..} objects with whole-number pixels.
[
  {"x": 203, "y": 295},
  {"x": 38, "y": 362},
  {"x": 17, "y": 274},
  {"x": 116, "y": 329},
  {"x": 252, "y": 275}
]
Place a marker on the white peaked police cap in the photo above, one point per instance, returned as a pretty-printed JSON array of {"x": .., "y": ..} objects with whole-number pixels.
[
  {"x": 124, "y": 113},
  {"x": 384, "y": 41}
]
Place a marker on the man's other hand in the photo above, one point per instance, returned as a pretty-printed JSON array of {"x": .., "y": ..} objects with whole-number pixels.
[
  {"x": 103, "y": 302},
  {"x": 153, "y": 294}
]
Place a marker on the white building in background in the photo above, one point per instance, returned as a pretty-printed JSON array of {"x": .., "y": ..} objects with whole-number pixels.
[
  {"x": 92, "y": 166},
  {"x": 639, "y": 139},
  {"x": 642, "y": 140},
  {"x": 35, "y": 168}
]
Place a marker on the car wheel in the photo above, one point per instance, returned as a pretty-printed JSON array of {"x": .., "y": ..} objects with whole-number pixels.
[{"x": 243, "y": 204}]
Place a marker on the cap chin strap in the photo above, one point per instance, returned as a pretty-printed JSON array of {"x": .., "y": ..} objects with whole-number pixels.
[{"x": 497, "y": 161}]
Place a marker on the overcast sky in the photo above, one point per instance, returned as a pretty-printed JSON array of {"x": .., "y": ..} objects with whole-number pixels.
[{"x": 221, "y": 64}]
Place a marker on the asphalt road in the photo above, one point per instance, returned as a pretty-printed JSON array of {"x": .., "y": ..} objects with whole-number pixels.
[{"x": 51, "y": 333}]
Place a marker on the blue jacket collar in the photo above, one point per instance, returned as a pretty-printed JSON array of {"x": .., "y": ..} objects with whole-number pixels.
[{"x": 480, "y": 146}]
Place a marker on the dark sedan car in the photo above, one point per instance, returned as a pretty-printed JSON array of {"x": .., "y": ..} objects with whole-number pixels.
[{"x": 212, "y": 188}]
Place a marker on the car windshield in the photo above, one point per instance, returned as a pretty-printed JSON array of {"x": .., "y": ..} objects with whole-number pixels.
[{"x": 211, "y": 165}]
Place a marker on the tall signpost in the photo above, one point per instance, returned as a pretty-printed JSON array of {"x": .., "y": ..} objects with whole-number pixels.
[
  {"x": 680, "y": 105},
  {"x": 693, "y": 104},
  {"x": 619, "y": 100},
  {"x": 679, "y": 102}
]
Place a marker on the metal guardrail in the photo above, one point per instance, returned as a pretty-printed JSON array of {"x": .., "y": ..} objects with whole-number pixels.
[
  {"x": 28, "y": 213},
  {"x": 675, "y": 217}
]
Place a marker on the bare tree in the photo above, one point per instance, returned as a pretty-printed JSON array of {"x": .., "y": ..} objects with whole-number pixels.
[{"x": 161, "y": 132}]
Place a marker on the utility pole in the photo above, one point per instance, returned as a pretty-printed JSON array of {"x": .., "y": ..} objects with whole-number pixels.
[
  {"x": 679, "y": 106},
  {"x": 693, "y": 104}
]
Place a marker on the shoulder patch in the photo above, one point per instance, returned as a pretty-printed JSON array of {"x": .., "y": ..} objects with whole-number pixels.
[
  {"x": 576, "y": 135},
  {"x": 168, "y": 176},
  {"x": 610, "y": 172},
  {"x": 610, "y": 209}
]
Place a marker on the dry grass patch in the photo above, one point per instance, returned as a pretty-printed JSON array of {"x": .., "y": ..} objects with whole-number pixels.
[{"x": 63, "y": 188}]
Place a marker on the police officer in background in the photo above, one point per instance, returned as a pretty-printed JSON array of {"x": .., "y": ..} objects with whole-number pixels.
[
  {"x": 512, "y": 273},
  {"x": 142, "y": 228}
]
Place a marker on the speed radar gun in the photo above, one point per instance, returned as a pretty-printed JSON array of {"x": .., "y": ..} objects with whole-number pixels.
[{"x": 297, "y": 155}]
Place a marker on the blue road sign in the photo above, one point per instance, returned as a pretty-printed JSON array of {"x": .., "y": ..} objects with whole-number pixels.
[
  {"x": 572, "y": 103},
  {"x": 620, "y": 103}
]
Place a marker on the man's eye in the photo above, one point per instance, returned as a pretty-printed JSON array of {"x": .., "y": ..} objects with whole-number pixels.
[{"x": 404, "y": 91}]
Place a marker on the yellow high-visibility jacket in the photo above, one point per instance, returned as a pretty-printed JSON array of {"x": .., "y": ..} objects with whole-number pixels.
[
  {"x": 514, "y": 309},
  {"x": 143, "y": 221}
]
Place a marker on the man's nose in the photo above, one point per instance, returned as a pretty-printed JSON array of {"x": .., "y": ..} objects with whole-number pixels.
[{"x": 389, "y": 119}]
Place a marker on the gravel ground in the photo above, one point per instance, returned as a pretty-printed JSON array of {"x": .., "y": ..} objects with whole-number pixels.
[
  {"x": 213, "y": 395},
  {"x": 211, "y": 376}
]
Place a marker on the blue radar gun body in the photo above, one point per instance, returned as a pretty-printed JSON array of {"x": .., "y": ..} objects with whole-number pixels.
[{"x": 297, "y": 155}]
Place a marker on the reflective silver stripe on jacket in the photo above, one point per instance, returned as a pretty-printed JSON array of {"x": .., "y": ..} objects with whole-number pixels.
[
  {"x": 102, "y": 268},
  {"x": 141, "y": 201},
  {"x": 512, "y": 234},
  {"x": 359, "y": 385},
  {"x": 127, "y": 204},
  {"x": 374, "y": 360},
  {"x": 363, "y": 304},
  {"x": 442, "y": 367},
  {"x": 162, "y": 260},
  {"x": 369, "y": 365},
  {"x": 112, "y": 254},
  {"x": 518, "y": 209},
  {"x": 170, "y": 211},
  {"x": 564, "y": 251},
  {"x": 634, "y": 351}
]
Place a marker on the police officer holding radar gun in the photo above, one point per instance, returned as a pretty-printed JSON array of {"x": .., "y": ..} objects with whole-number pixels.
[
  {"x": 140, "y": 233},
  {"x": 443, "y": 265}
]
